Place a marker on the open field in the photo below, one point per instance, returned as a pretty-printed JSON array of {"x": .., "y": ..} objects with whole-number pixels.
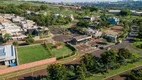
[
  {"x": 39, "y": 52},
  {"x": 32, "y": 53},
  {"x": 61, "y": 51}
]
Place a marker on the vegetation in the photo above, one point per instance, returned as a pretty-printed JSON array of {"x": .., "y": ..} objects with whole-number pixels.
[
  {"x": 134, "y": 75},
  {"x": 125, "y": 12},
  {"x": 91, "y": 65},
  {"x": 15, "y": 43},
  {"x": 32, "y": 53},
  {"x": 7, "y": 37},
  {"x": 29, "y": 40},
  {"x": 59, "y": 52}
]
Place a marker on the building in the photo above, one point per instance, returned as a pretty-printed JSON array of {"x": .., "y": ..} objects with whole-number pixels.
[
  {"x": 2, "y": 19},
  {"x": 92, "y": 18},
  {"x": 81, "y": 39},
  {"x": 27, "y": 24},
  {"x": 71, "y": 17},
  {"x": 9, "y": 28},
  {"x": 12, "y": 29},
  {"x": 7, "y": 55},
  {"x": 113, "y": 20},
  {"x": 17, "y": 19},
  {"x": 114, "y": 11},
  {"x": 58, "y": 15}
]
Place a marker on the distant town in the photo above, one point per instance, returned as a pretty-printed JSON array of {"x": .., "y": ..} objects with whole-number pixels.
[{"x": 70, "y": 41}]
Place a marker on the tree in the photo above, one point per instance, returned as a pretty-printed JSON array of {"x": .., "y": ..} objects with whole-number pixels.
[
  {"x": 108, "y": 57},
  {"x": 125, "y": 12},
  {"x": 83, "y": 23},
  {"x": 43, "y": 7},
  {"x": 7, "y": 37},
  {"x": 29, "y": 40},
  {"x": 15, "y": 43},
  {"x": 57, "y": 72},
  {"x": 125, "y": 53},
  {"x": 80, "y": 73},
  {"x": 61, "y": 8}
]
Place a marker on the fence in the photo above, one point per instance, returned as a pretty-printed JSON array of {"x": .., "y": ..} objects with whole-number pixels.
[{"x": 28, "y": 65}]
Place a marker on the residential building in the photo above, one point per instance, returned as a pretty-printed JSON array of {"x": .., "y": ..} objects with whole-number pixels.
[
  {"x": 17, "y": 19},
  {"x": 81, "y": 39},
  {"x": 7, "y": 55},
  {"x": 71, "y": 16},
  {"x": 92, "y": 18},
  {"x": 113, "y": 20},
  {"x": 58, "y": 15},
  {"x": 114, "y": 11}
]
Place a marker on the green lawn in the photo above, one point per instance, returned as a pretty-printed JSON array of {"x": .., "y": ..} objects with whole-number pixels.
[
  {"x": 135, "y": 44},
  {"x": 60, "y": 52},
  {"x": 32, "y": 53},
  {"x": 38, "y": 52}
]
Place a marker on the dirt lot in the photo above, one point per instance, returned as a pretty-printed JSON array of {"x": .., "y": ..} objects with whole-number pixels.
[{"x": 115, "y": 29}]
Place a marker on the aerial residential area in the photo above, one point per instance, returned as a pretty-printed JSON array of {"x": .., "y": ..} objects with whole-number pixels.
[{"x": 70, "y": 40}]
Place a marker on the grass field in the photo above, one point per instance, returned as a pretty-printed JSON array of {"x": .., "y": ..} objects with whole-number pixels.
[
  {"x": 60, "y": 52},
  {"x": 32, "y": 53},
  {"x": 38, "y": 52}
]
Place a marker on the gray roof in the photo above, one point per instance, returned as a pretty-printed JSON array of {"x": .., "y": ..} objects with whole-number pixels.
[{"x": 7, "y": 52}]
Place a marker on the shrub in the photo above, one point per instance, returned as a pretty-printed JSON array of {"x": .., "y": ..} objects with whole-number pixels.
[
  {"x": 15, "y": 43},
  {"x": 30, "y": 41}
]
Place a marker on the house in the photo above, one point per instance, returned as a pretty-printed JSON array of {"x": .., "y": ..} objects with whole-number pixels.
[
  {"x": 114, "y": 11},
  {"x": 2, "y": 19},
  {"x": 8, "y": 16},
  {"x": 12, "y": 29},
  {"x": 58, "y": 15},
  {"x": 111, "y": 38},
  {"x": 81, "y": 39},
  {"x": 71, "y": 17},
  {"x": 92, "y": 18},
  {"x": 7, "y": 55},
  {"x": 94, "y": 33},
  {"x": 17, "y": 19},
  {"x": 113, "y": 20},
  {"x": 26, "y": 24},
  {"x": 138, "y": 13},
  {"x": 28, "y": 12}
]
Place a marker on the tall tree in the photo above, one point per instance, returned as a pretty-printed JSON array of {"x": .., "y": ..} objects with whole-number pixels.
[{"x": 57, "y": 72}]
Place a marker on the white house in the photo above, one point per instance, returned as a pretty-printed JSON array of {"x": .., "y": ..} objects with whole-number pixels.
[{"x": 89, "y": 18}]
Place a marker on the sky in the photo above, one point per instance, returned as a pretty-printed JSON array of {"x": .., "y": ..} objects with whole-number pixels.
[{"x": 76, "y": 0}]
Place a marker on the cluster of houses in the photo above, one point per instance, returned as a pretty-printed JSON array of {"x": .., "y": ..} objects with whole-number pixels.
[
  {"x": 91, "y": 33},
  {"x": 18, "y": 26},
  {"x": 60, "y": 15}
]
